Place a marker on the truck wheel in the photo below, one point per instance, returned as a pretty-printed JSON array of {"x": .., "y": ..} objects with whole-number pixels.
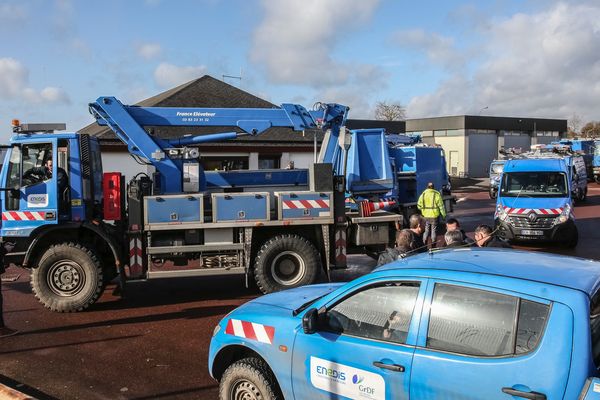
[
  {"x": 68, "y": 278},
  {"x": 493, "y": 193},
  {"x": 584, "y": 194},
  {"x": 573, "y": 240},
  {"x": 251, "y": 379},
  {"x": 284, "y": 262},
  {"x": 597, "y": 179}
]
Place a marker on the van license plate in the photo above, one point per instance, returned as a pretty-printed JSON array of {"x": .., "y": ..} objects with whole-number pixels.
[{"x": 532, "y": 233}]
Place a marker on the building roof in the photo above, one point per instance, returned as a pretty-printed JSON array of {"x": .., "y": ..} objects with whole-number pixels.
[
  {"x": 486, "y": 122},
  {"x": 572, "y": 272},
  {"x": 207, "y": 92}
]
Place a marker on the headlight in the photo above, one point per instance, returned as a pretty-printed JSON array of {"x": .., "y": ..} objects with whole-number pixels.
[
  {"x": 501, "y": 212},
  {"x": 564, "y": 215}
]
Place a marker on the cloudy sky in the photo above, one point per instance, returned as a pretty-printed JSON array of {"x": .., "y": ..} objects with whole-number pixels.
[{"x": 538, "y": 58}]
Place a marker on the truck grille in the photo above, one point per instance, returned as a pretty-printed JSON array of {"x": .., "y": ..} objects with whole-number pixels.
[{"x": 542, "y": 222}]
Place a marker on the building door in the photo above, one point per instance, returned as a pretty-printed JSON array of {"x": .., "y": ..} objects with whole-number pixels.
[
  {"x": 520, "y": 140},
  {"x": 483, "y": 148},
  {"x": 453, "y": 163}
]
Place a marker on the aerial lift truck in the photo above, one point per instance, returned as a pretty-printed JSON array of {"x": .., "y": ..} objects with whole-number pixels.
[{"x": 280, "y": 228}]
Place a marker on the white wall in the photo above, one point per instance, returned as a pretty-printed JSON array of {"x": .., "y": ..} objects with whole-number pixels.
[
  {"x": 454, "y": 143},
  {"x": 301, "y": 160},
  {"x": 123, "y": 163}
]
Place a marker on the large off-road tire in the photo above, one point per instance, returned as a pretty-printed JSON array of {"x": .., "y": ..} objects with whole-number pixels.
[
  {"x": 251, "y": 379},
  {"x": 493, "y": 193},
  {"x": 284, "y": 262},
  {"x": 68, "y": 278}
]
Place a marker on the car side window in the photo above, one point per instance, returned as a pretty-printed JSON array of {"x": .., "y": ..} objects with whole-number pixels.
[
  {"x": 482, "y": 323},
  {"x": 471, "y": 321},
  {"x": 381, "y": 312},
  {"x": 531, "y": 324}
]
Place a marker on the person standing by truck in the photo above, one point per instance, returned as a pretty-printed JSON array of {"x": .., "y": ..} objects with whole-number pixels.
[
  {"x": 431, "y": 205},
  {"x": 5, "y": 331}
]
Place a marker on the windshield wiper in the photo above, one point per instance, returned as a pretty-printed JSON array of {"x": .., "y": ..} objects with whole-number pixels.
[{"x": 307, "y": 304}]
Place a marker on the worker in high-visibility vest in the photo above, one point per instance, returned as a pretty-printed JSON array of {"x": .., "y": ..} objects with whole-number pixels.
[{"x": 432, "y": 207}]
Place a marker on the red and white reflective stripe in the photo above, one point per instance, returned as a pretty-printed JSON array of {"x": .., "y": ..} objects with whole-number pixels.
[
  {"x": 24, "y": 216},
  {"x": 250, "y": 330},
  {"x": 302, "y": 204},
  {"x": 135, "y": 253},
  {"x": 340, "y": 245},
  {"x": 541, "y": 211}
]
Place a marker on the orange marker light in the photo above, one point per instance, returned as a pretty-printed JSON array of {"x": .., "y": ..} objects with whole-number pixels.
[
  {"x": 15, "y": 122},
  {"x": 283, "y": 348}
]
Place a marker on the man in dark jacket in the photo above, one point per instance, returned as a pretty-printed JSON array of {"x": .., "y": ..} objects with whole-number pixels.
[
  {"x": 5, "y": 331},
  {"x": 405, "y": 244},
  {"x": 484, "y": 237},
  {"x": 417, "y": 226}
]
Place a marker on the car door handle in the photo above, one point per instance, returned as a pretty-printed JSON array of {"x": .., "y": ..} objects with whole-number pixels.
[
  {"x": 524, "y": 395},
  {"x": 391, "y": 367}
]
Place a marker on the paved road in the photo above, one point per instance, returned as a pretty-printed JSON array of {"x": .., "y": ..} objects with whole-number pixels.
[{"x": 154, "y": 344}]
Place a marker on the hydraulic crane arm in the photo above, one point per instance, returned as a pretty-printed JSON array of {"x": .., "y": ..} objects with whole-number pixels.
[{"x": 128, "y": 121}]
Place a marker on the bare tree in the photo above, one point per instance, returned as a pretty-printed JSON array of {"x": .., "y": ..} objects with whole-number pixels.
[
  {"x": 591, "y": 129},
  {"x": 385, "y": 111},
  {"x": 574, "y": 124}
]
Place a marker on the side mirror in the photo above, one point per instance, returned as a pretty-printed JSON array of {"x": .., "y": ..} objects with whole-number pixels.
[{"x": 310, "y": 321}]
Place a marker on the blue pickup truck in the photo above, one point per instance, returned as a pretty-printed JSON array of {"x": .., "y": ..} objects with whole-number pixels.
[{"x": 454, "y": 324}]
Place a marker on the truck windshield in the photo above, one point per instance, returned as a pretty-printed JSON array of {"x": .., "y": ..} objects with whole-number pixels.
[
  {"x": 534, "y": 184},
  {"x": 597, "y": 149}
]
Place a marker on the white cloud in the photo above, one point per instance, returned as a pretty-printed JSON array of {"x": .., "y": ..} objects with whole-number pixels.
[
  {"x": 13, "y": 77},
  {"x": 11, "y": 13},
  {"x": 149, "y": 51},
  {"x": 14, "y": 81},
  {"x": 544, "y": 64},
  {"x": 440, "y": 50},
  {"x": 296, "y": 40},
  {"x": 169, "y": 75}
]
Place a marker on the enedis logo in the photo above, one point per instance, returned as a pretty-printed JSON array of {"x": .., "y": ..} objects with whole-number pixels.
[{"x": 331, "y": 373}]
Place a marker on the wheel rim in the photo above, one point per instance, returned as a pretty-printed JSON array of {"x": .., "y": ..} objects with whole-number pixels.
[
  {"x": 245, "y": 390},
  {"x": 288, "y": 268},
  {"x": 66, "y": 278}
]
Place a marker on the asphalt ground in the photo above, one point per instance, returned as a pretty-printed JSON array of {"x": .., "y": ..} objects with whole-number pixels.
[{"x": 153, "y": 344}]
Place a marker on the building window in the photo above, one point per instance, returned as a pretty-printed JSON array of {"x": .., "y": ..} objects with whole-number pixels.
[
  {"x": 440, "y": 133},
  {"x": 269, "y": 162},
  {"x": 514, "y": 133},
  {"x": 224, "y": 163},
  {"x": 454, "y": 132},
  {"x": 480, "y": 131}
]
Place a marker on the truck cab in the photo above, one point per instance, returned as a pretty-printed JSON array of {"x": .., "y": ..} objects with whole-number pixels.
[
  {"x": 495, "y": 172},
  {"x": 51, "y": 203},
  {"x": 535, "y": 200}
]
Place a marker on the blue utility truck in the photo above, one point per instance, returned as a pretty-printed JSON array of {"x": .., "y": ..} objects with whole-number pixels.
[
  {"x": 596, "y": 161},
  {"x": 583, "y": 147},
  {"x": 536, "y": 196},
  {"x": 495, "y": 172},
  {"x": 461, "y": 324},
  {"x": 77, "y": 228}
]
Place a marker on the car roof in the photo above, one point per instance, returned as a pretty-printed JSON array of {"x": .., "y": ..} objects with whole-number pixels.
[
  {"x": 534, "y": 164},
  {"x": 572, "y": 272}
]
